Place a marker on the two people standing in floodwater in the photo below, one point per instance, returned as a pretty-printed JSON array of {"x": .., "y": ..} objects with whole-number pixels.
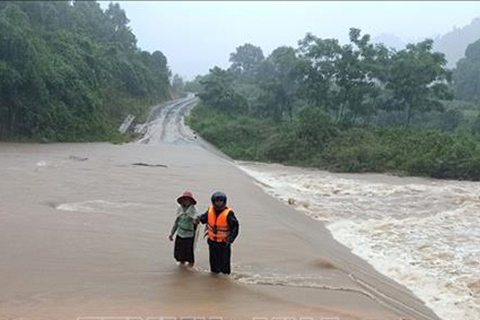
[{"x": 221, "y": 225}]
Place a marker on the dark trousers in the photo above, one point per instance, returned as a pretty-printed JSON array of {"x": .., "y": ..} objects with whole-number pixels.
[
  {"x": 183, "y": 251},
  {"x": 220, "y": 254}
]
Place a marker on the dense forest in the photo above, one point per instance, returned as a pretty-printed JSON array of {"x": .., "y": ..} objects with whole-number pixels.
[
  {"x": 70, "y": 71},
  {"x": 352, "y": 107}
]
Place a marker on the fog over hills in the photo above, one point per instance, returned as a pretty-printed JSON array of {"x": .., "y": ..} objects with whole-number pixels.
[{"x": 452, "y": 44}]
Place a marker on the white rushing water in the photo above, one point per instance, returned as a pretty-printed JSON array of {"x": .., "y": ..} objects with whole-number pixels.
[{"x": 423, "y": 233}]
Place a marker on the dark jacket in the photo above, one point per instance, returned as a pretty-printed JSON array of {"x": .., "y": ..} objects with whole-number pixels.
[{"x": 232, "y": 222}]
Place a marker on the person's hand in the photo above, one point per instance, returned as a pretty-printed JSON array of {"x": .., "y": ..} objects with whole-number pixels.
[
  {"x": 196, "y": 221},
  {"x": 170, "y": 237}
]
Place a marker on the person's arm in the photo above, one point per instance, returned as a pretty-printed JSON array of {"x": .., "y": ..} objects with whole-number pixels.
[
  {"x": 233, "y": 226},
  {"x": 203, "y": 218},
  {"x": 174, "y": 229}
]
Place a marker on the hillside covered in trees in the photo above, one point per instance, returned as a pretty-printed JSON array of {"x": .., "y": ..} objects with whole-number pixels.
[
  {"x": 70, "y": 71},
  {"x": 355, "y": 107}
]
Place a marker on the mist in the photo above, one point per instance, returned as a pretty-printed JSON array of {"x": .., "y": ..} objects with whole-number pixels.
[{"x": 196, "y": 36}]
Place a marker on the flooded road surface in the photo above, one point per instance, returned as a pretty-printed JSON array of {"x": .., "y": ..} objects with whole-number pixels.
[
  {"x": 165, "y": 123},
  {"x": 83, "y": 233},
  {"x": 423, "y": 233}
]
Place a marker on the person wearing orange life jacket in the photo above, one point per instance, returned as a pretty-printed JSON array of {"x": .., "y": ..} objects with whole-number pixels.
[{"x": 222, "y": 229}]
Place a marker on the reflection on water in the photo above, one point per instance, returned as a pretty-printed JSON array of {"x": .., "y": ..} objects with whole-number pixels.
[{"x": 423, "y": 233}]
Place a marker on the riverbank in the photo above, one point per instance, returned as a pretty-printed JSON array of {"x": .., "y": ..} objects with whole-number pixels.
[{"x": 313, "y": 140}]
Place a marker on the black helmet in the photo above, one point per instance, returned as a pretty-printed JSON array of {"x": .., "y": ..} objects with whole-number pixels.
[{"x": 219, "y": 195}]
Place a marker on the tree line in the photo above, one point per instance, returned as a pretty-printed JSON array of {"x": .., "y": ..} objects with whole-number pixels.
[
  {"x": 354, "y": 82},
  {"x": 358, "y": 106},
  {"x": 70, "y": 71}
]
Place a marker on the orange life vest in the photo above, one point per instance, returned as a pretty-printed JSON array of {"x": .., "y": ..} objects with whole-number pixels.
[{"x": 217, "y": 225}]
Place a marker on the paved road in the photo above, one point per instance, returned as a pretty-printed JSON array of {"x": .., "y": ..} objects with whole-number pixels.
[{"x": 165, "y": 123}]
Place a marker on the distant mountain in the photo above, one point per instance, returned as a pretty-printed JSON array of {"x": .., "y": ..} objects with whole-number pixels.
[
  {"x": 454, "y": 43},
  {"x": 389, "y": 40}
]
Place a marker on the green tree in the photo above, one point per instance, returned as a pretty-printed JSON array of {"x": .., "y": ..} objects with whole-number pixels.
[
  {"x": 318, "y": 70},
  {"x": 278, "y": 79},
  {"x": 246, "y": 60},
  {"x": 418, "y": 79},
  {"x": 219, "y": 92},
  {"x": 344, "y": 79},
  {"x": 466, "y": 76},
  {"x": 356, "y": 76},
  {"x": 122, "y": 33},
  {"x": 194, "y": 85}
]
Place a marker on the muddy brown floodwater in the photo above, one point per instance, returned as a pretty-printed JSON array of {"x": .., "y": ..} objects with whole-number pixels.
[{"x": 83, "y": 233}]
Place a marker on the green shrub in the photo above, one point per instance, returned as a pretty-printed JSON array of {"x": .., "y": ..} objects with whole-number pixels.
[{"x": 313, "y": 140}]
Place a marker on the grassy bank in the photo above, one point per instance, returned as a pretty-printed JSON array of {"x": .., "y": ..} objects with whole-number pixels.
[{"x": 313, "y": 140}]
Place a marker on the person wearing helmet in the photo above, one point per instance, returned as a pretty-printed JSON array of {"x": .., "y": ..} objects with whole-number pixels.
[
  {"x": 185, "y": 228},
  {"x": 222, "y": 230}
]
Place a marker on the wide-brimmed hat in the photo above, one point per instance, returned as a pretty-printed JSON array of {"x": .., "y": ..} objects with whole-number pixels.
[{"x": 186, "y": 194}]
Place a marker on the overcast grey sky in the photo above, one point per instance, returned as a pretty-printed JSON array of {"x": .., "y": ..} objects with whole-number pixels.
[{"x": 196, "y": 36}]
